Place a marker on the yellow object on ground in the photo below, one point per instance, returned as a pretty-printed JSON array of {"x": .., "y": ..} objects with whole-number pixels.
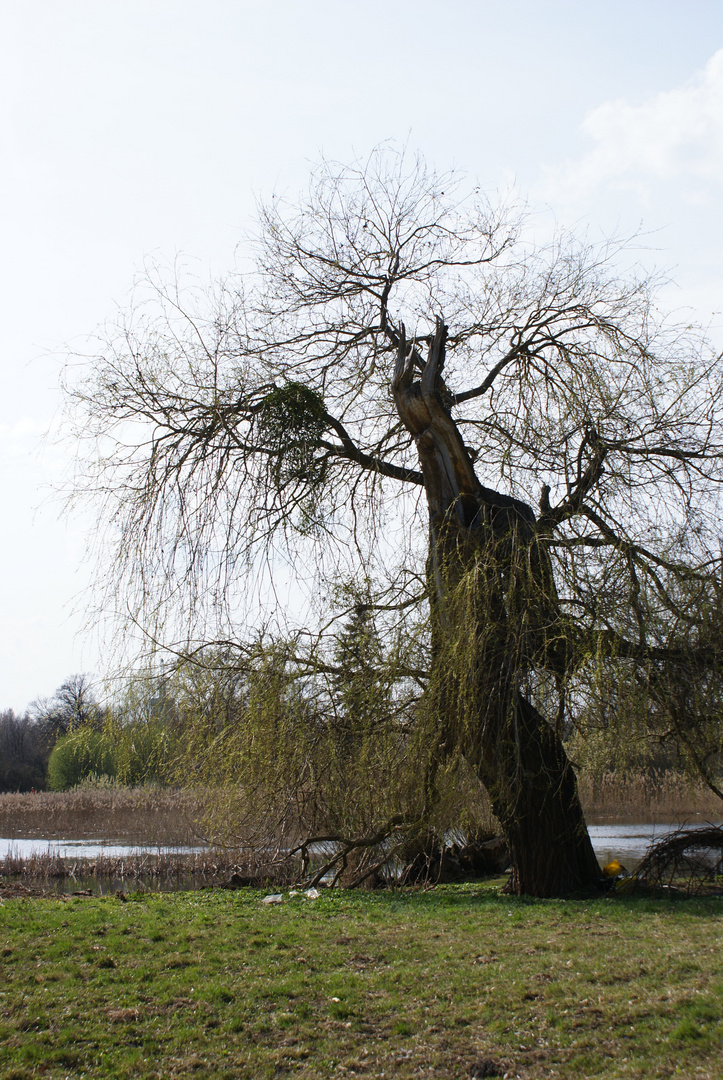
[{"x": 613, "y": 869}]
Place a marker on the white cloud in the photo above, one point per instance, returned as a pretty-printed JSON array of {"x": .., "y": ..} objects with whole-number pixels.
[{"x": 674, "y": 137}]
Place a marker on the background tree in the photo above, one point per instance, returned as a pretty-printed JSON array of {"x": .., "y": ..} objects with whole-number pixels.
[
  {"x": 24, "y": 752},
  {"x": 72, "y": 705},
  {"x": 387, "y": 397},
  {"x": 83, "y": 755}
]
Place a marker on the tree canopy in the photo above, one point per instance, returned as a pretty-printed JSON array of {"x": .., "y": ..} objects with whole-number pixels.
[
  {"x": 505, "y": 447},
  {"x": 73, "y": 705}
]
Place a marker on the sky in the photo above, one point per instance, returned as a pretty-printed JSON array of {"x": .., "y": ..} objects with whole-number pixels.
[{"x": 149, "y": 129}]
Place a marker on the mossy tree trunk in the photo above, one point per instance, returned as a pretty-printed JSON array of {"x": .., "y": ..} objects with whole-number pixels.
[{"x": 495, "y": 616}]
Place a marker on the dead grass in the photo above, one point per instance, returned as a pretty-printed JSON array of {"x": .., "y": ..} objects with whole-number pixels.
[
  {"x": 145, "y": 816},
  {"x": 49, "y": 874},
  {"x": 163, "y": 817},
  {"x": 659, "y": 796},
  {"x": 142, "y": 817}
]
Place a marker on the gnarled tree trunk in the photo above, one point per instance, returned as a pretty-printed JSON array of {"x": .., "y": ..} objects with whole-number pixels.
[{"x": 494, "y": 617}]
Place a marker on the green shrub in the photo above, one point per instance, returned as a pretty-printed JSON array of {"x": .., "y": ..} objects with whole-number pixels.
[
  {"x": 80, "y": 754},
  {"x": 130, "y": 755}
]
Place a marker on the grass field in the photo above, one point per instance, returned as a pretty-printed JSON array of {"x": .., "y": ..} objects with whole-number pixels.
[{"x": 454, "y": 982}]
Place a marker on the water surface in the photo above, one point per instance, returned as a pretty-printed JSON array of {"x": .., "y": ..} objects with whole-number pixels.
[
  {"x": 629, "y": 843},
  {"x": 625, "y": 842},
  {"x": 26, "y": 847}
]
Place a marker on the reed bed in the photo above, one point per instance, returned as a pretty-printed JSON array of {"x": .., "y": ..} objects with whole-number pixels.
[
  {"x": 647, "y": 797},
  {"x": 156, "y": 816},
  {"x": 161, "y": 818},
  {"x": 49, "y": 872}
]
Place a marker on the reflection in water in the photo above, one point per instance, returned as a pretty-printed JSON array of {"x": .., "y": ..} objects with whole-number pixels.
[{"x": 26, "y": 848}]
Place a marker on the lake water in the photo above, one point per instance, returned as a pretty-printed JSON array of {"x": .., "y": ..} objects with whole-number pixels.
[
  {"x": 25, "y": 848},
  {"x": 629, "y": 843},
  {"x": 625, "y": 842}
]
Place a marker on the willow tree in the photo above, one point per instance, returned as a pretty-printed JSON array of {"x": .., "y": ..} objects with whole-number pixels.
[{"x": 407, "y": 389}]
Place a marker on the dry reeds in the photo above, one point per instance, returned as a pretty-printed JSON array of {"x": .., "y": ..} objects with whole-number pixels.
[
  {"x": 151, "y": 870},
  {"x": 643, "y": 797},
  {"x": 141, "y": 816}
]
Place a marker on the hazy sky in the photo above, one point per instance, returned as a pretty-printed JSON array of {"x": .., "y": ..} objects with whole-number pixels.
[{"x": 148, "y": 128}]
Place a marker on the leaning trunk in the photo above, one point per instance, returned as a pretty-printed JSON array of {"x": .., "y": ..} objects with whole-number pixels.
[
  {"x": 523, "y": 765},
  {"x": 495, "y": 620}
]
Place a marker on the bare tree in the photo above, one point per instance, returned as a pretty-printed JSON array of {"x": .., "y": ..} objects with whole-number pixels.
[
  {"x": 389, "y": 394},
  {"x": 73, "y": 705}
]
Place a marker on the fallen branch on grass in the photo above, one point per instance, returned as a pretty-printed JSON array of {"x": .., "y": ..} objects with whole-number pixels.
[{"x": 688, "y": 860}]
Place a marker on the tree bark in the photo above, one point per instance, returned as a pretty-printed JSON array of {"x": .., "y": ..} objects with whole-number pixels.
[{"x": 494, "y": 617}]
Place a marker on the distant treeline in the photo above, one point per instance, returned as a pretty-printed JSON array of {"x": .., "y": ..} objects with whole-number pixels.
[
  {"x": 70, "y": 739},
  {"x": 328, "y": 737},
  {"x": 27, "y": 742},
  {"x": 25, "y": 747}
]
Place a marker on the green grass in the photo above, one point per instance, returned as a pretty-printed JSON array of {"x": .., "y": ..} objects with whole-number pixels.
[{"x": 404, "y": 984}]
